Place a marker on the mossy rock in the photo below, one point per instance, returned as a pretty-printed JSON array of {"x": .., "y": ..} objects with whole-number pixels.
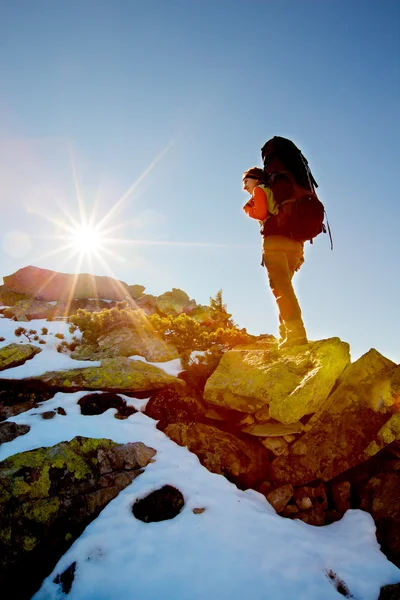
[{"x": 14, "y": 355}]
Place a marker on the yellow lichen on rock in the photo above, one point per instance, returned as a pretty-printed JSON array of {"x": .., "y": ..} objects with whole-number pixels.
[
  {"x": 292, "y": 383},
  {"x": 16, "y": 354},
  {"x": 113, "y": 374}
]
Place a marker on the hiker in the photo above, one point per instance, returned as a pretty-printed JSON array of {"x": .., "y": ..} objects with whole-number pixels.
[{"x": 282, "y": 255}]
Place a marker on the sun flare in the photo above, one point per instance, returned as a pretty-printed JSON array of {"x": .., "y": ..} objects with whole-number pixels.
[{"x": 86, "y": 239}]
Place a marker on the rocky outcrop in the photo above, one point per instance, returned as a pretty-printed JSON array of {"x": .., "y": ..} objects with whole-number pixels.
[
  {"x": 49, "y": 495},
  {"x": 14, "y": 355},
  {"x": 243, "y": 462},
  {"x": 292, "y": 383},
  {"x": 137, "y": 338},
  {"x": 50, "y": 285},
  {"x": 341, "y": 432},
  {"x": 174, "y": 302}
]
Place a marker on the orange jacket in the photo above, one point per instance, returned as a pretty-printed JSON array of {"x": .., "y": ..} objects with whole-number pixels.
[{"x": 257, "y": 207}]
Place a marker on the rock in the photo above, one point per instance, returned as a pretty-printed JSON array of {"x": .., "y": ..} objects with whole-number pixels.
[
  {"x": 277, "y": 445},
  {"x": 161, "y": 505},
  {"x": 304, "y": 503},
  {"x": 290, "y": 510},
  {"x": 242, "y": 462},
  {"x": 66, "y": 578},
  {"x": 50, "y": 285},
  {"x": 262, "y": 415},
  {"x": 49, "y": 495},
  {"x": 49, "y": 414},
  {"x": 97, "y": 404},
  {"x": 380, "y": 497},
  {"x": 173, "y": 405},
  {"x": 136, "y": 291},
  {"x": 90, "y": 352},
  {"x": 114, "y": 374},
  {"x": 17, "y": 396},
  {"x": 9, "y": 431},
  {"x": 147, "y": 303},
  {"x": 273, "y": 429},
  {"x": 25, "y": 310},
  {"x": 293, "y": 384},
  {"x": 387, "y": 434},
  {"x": 341, "y": 496},
  {"x": 198, "y": 511},
  {"x": 390, "y": 592},
  {"x": 280, "y": 497},
  {"x": 14, "y": 355},
  {"x": 341, "y": 433},
  {"x": 139, "y": 338},
  {"x": 173, "y": 303},
  {"x": 9, "y": 298},
  {"x": 316, "y": 494},
  {"x": 314, "y": 516}
]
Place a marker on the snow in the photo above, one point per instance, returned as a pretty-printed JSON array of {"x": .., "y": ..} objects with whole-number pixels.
[
  {"x": 237, "y": 548},
  {"x": 170, "y": 367}
]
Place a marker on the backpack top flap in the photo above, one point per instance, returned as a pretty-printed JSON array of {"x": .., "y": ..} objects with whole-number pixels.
[{"x": 278, "y": 152}]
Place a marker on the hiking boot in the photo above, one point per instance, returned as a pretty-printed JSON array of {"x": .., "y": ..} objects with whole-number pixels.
[{"x": 295, "y": 335}]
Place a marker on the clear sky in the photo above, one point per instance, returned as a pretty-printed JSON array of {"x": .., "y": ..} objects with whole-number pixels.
[{"x": 173, "y": 100}]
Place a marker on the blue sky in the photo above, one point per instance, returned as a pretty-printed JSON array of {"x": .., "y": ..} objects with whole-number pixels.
[{"x": 104, "y": 88}]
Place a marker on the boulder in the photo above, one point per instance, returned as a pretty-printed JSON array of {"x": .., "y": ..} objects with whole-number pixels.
[
  {"x": 9, "y": 298},
  {"x": 136, "y": 291},
  {"x": 173, "y": 405},
  {"x": 49, "y": 495},
  {"x": 243, "y": 462},
  {"x": 293, "y": 383},
  {"x": 9, "y": 431},
  {"x": 173, "y": 303},
  {"x": 14, "y": 355},
  {"x": 280, "y": 497},
  {"x": 25, "y": 310},
  {"x": 341, "y": 432},
  {"x": 114, "y": 374},
  {"x": 50, "y": 285},
  {"x": 18, "y": 396},
  {"x": 137, "y": 338}
]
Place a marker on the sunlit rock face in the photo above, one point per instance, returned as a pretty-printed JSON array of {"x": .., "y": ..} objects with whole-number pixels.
[
  {"x": 50, "y": 285},
  {"x": 49, "y": 495},
  {"x": 292, "y": 383},
  {"x": 341, "y": 433}
]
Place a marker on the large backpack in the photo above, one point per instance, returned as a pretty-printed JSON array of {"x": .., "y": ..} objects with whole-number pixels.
[{"x": 301, "y": 214}]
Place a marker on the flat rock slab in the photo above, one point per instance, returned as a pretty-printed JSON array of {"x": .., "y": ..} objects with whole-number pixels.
[
  {"x": 14, "y": 355},
  {"x": 118, "y": 374},
  {"x": 293, "y": 383}
]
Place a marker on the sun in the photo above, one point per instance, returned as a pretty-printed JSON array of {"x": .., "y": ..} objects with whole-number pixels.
[{"x": 86, "y": 239}]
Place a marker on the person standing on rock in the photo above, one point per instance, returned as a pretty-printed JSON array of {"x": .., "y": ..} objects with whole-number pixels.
[{"x": 282, "y": 256}]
